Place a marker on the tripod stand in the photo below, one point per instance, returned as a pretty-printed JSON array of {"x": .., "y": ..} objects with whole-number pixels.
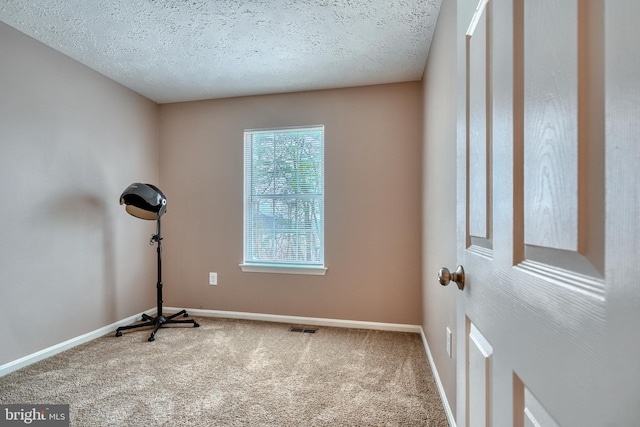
[{"x": 159, "y": 320}]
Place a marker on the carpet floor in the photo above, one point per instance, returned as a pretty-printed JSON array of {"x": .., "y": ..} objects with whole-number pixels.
[{"x": 233, "y": 372}]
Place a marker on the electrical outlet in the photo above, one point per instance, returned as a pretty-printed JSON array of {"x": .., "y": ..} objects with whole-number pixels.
[
  {"x": 448, "y": 342},
  {"x": 213, "y": 278}
]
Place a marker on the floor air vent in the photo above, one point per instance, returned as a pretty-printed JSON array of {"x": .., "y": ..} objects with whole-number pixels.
[{"x": 303, "y": 330}]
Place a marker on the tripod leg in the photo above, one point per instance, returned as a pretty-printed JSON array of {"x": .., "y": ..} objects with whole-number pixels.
[
  {"x": 195, "y": 324},
  {"x": 159, "y": 323},
  {"x": 181, "y": 312},
  {"x": 139, "y": 325}
]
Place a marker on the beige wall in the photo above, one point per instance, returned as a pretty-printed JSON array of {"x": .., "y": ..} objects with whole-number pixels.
[
  {"x": 439, "y": 195},
  {"x": 71, "y": 259},
  {"x": 373, "y": 138}
]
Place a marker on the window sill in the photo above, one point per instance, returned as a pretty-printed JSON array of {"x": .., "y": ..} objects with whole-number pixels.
[{"x": 284, "y": 269}]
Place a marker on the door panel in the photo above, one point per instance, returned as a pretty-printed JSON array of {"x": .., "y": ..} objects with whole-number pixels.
[
  {"x": 479, "y": 353},
  {"x": 562, "y": 136},
  {"x": 479, "y": 129},
  {"x": 532, "y": 133},
  {"x": 550, "y": 123},
  {"x": 529, "y": 412}
]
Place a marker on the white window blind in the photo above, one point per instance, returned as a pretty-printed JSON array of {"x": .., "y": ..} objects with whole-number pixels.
[{"x": 284, "y": 197}]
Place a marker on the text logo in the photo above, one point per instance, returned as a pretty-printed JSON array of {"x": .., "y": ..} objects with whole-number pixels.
[{"x": 34, "y": 415}]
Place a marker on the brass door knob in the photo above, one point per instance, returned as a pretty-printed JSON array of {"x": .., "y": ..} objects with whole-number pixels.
[{"x": 445, "y": 276}]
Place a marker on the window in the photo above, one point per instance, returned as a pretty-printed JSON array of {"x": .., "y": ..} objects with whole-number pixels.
[{"x": 284, "y": 200}]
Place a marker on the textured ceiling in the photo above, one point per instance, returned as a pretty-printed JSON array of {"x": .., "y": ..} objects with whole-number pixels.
[{"x": 181, "y": 50}]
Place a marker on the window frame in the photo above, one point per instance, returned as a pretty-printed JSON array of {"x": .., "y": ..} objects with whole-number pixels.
[{"x": 253, "y": 266}]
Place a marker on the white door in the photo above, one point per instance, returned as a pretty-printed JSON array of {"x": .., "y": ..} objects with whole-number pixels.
[{"x": 549, "y": 213}]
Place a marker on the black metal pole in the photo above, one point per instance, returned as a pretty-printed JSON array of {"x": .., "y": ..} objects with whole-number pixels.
[{"x": 158, "y": 239}]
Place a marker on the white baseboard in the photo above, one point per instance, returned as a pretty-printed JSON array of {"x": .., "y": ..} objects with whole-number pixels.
[
  {"x": 443, "y": 395},
  {"x": 7, "y": 368},
  {"x": 310, "y": 321}
]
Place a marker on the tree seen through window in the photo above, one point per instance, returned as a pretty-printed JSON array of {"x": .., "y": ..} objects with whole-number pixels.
[{"x": 284, "y": 196}]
